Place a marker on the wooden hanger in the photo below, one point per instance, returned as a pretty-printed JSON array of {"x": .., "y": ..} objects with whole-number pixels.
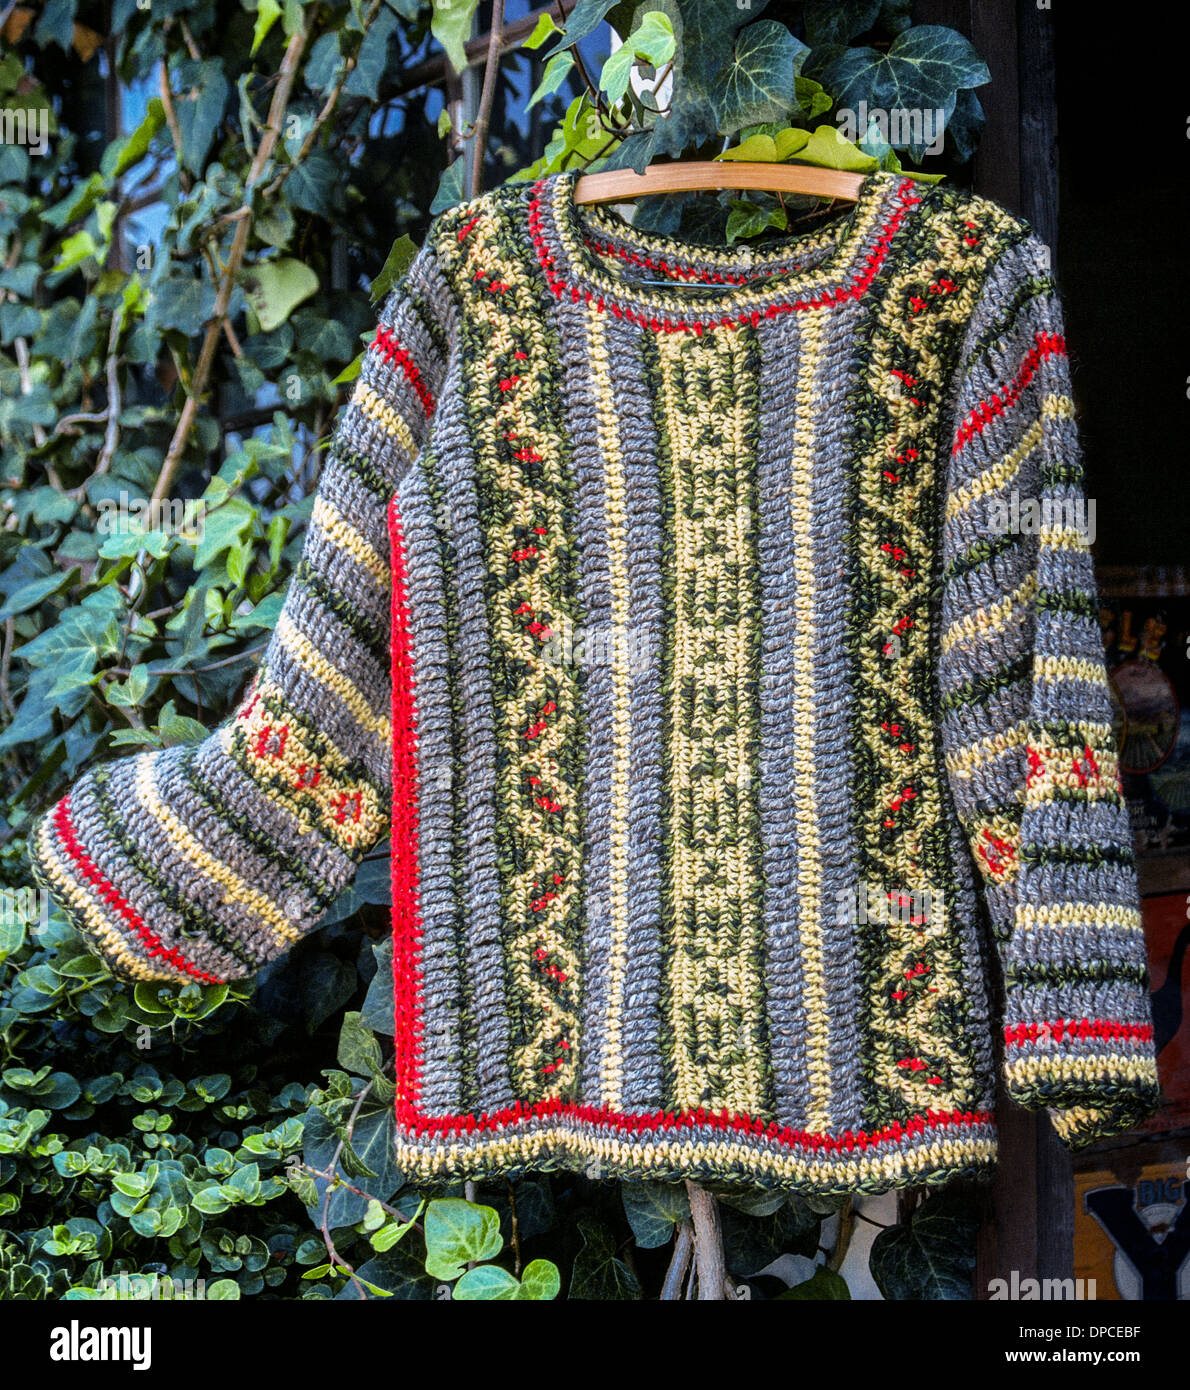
[{"x": 680, "y": 176}]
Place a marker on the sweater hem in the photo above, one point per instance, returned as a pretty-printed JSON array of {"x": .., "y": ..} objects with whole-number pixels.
[{"x": 924, "y": 1150}]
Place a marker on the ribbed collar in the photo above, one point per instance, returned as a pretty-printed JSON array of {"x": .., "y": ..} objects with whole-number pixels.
[{"x": 807, "y": 270}]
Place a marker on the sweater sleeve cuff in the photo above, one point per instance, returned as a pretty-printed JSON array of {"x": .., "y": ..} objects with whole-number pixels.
[{"x": 1081, "y": 1125}]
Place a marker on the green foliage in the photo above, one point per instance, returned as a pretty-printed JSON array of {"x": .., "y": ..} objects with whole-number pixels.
[
  {"x": 932, "y": 1254},
  {"x": 236, "y": 1141}
]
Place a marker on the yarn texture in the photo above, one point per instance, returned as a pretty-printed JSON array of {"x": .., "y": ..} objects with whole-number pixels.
[{"x": 748, "y": 763}]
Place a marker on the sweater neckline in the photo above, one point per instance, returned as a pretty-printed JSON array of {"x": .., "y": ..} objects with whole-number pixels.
[{"x": 829, "y": 265}]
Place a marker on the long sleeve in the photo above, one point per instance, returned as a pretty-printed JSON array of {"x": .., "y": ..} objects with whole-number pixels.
[
  {"x": 205, "y": 861},
  {"x": 1027, "y": 728}
]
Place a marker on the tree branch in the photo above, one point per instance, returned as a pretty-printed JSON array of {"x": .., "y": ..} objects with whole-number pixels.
[
  {"x": 206, "y": 357},
  {"x": 479, "y": 133}
]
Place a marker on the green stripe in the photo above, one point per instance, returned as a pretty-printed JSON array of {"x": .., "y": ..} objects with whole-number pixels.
[
  {"x": 1025, "y": 293},
  {"x": 980, "y": 688},
  {"x": 713, "y": 1062},
  {"x": 366, "y": 633},
  {"x": 198, "y": 925},
  {"x": 264, "y": 844},
  {"x": 1094, "y": 856}
]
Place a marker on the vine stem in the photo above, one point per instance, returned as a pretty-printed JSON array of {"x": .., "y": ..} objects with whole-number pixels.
[
  {"x": 264, "y": 151},
  {"x": 671, "y": 1288},
  {"x": 479, "y": 132},
  {"x": 709, "y": 1259}
]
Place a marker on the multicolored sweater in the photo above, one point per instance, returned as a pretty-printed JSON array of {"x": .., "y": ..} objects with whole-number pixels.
[{"x": 746, "y": 752}]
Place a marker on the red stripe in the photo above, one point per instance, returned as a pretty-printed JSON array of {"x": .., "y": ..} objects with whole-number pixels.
[
  {"x": 111, "y": 895},
  {"x": 386, "y": 344},
  {"x": 406, "y": 908},
  {"x": 827, "y": 299},
  {"x": 1106, "y": 1029},
  {"x": 1047, "y": 344},
  {"x": 848, "y": 1141}
]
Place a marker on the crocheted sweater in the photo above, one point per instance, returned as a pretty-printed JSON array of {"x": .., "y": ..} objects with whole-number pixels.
[{"x": 746, "y": 749}]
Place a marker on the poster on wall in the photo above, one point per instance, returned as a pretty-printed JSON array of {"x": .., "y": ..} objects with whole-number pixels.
[
  {"x": 1132, "y": 1225},
  {"x": 1167, "y": 940},
  {"x": 1146, "y": 636}
]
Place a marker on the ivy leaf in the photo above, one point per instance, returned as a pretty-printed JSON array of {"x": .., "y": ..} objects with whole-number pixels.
[
  {"x": 359, "y": 1052},
  {"x": 828, "y": 149},
  {"x": 545, "y": 26},
  {"x": 398, "y": 260},
  {"x": 933, "y": 1256},
  {"x": 922, "y": 70},
  {"x": 267, "y": 14},
  {"x": 706, "y": 37},
  {"x": 598, "y": 1275},
  {"x": 652, "y": 41},
  {"x": 653, "y": 1210},
  {"x": 838, "y": 21},
  {"x": 584, "y": 19},
  {"x": 451, "y": 26},
  {"x": 377, "y": 1010},
  {"x": 34, "y": 591},
  {"x": 812, "y": 97},
  {"x": 223, "y": 527},
  {"x": 553, "y": 75},
  {"x": 964, "y": 125},
  {"x": 122, "y": 154},
  {"x": 458, "y": 1232},
  {"x": 540, "y": 1282},
  {"x": 450, "y": 186},
  {"x": 488, "y": 1283},
  {"x": 314, "y": 184},
  {"x": 56, "y": 23},
  {"x": 765, "y": 149},
  {"x": 200, "y": 112},
  {"x": 183, "y": 303},
  {"x": 276, "y": 288},
  {"x": 823, "y": 1284},
  {"x": 374, "y": 1141},
  {"x": 372, "y": 59},
  {"x": 759, "y": 85}
]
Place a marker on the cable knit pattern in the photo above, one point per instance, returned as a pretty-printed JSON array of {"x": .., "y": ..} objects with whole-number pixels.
[{"x": 748, "y": 764}]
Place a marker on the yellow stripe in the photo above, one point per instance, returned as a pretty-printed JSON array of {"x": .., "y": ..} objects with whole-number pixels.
[
  {"x": 811, "y": 914},
  {"x": 77, "y": 895},
  {"x": 185, "y": 844},
  {"x": 560, "y": 1142},
  {"x": 303, "y": 650},
  {"x": 999, "y": 474},
  {"x": 1031, "y": 916},
  {"x": 1085, "y": 1067},
  {"x": 966, "y": 762},
  {"x": 616, "y": 527},
  {"x": 379, "y": 411},
  {"x": 346, "y": 538},
  {"x": 1068, "y": 668},
  {"x": 986, "y": 622},
  {"x": 1062, "y": 538}
]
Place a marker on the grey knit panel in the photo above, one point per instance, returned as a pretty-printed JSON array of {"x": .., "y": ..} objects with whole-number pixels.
[
  {"x": 834, "y": 718},
  {"x": 633, "y": 400},
  {"x": 598, "y": 678},
  {"x": 482, "y": 944},
  {"x": 625, "y": 988},
  {"x": 789, "y": 918},
  {"x": 440, "y": 955}
]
